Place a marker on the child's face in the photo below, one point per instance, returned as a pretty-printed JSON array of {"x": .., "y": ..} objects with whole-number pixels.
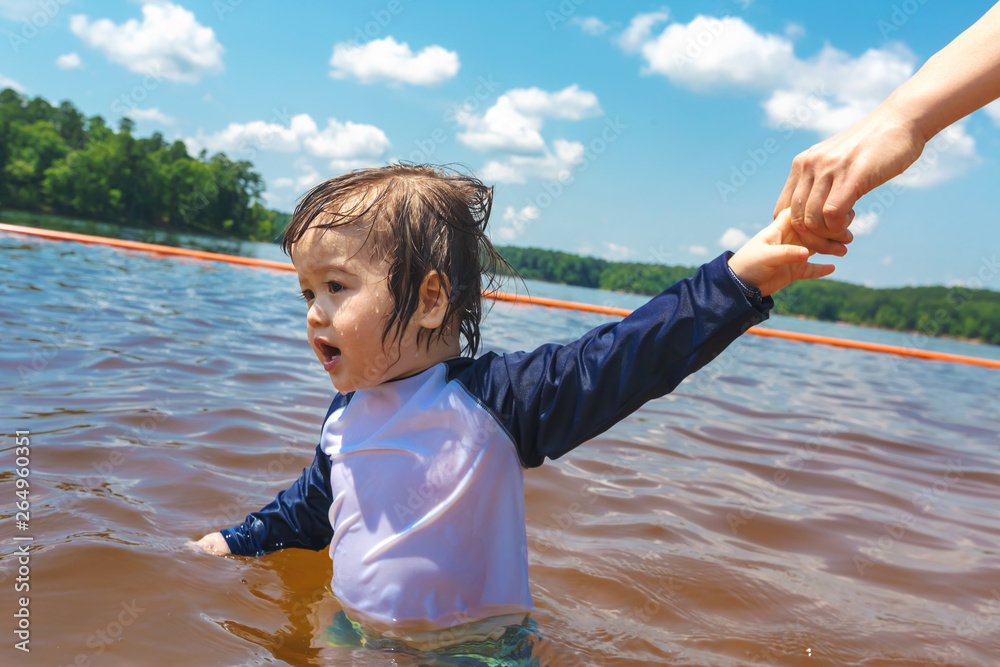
[{"x": 349, "y": 302}]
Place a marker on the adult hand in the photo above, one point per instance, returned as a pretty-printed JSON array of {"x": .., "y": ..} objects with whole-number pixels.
[{"x": 827, "y": 180}]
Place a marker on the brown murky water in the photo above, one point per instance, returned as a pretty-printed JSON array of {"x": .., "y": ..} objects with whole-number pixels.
[{"x": 790, "y": 505}]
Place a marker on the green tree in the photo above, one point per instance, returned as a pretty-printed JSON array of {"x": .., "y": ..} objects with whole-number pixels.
[
  {"x": 31, "y": 149},
  {"x": 55, "y": 159}
]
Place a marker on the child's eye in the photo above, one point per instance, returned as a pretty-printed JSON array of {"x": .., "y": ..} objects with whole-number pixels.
[
  {"x": 306, "y": 295},
  {"x": 334, "y": 287}
]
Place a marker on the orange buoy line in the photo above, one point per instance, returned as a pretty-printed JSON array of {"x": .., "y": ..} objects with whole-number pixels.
[
  {"x": 877, "y": 347},
  {"x": 558, "y": 303},
  {"x": 148, "y": 247},
  {"x": 500, "y": 296}
]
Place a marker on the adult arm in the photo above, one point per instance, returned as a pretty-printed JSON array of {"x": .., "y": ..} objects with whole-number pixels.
[{"x": 827, "y": 179}]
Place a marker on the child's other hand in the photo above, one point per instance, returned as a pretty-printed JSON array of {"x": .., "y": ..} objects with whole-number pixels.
[
  {"x": 213, "y": 543},
  {"x": 777, "y": 257}
]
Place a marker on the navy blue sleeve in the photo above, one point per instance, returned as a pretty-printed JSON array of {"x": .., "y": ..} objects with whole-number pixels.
[
  {"x": 298, "y": 517},
  {"x": 554, "y": 398}
]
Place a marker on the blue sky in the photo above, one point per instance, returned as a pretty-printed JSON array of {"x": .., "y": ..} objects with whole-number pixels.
[{"x": 626, "y": 130}]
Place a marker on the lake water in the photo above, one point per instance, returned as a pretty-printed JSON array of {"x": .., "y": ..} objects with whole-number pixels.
[{"x": 791, "y": 504}]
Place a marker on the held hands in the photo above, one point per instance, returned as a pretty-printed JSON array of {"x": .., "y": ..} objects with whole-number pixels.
[
  {"x": 213, "y": 543},
  {"x": 777, "y": 256},
  {"x": 828, "y": 179}
]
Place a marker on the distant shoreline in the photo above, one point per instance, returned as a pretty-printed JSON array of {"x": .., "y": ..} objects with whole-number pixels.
[
  {"x": 821, "y": 297},
  {"x": 960, "y": 339},
  {"x": 957, "y": 313}
]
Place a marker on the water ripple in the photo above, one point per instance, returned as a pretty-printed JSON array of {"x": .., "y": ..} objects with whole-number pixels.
[{"x": 790, "y": 504}]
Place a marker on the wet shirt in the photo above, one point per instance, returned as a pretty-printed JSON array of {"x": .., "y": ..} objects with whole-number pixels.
[{"x": 417, "y": 484}]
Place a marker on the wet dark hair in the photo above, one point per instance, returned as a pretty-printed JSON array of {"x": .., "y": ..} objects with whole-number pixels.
[{"x": 422, "y": 218}]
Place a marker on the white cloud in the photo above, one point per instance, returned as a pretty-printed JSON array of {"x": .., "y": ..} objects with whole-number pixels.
[
  {"x": 993, "y": 111},
  {"x": 887, "y": 260},
  {"x": 615, "y": 252},
  {"x": 794, "y": 30},
  {"x": 570, "y": 103},
  {"x": 864, "y": 223},
  {"x": 154, "y": 115},
  {"x": 512, "y": 215},
  {"x": 346, "y": 145},
  {"x": 733, "y": 239},
  {"x": 516, "y": 221},
  {"x": 697, "y": 250},
  {"x": 273, "y": 201},
  {"x": 640, "y": 28},
  {"x": 514, "y": 122},
  {"x": 388, "y": 60},
  {"x": 258, "y": 134},
  {"x": 590, "y": 24},
  {"x": 832, "y": 91},
  {"x": 7, "y": 82},
  {"x": 307, "y": 178},
  {"x": 945, "y": 156},
  {"x": 502, "y": 127},
  {"x": 513, "y": 125},
  {"x": 283, "y": 191},
  {"x": 69, "y": 61},
  {"x": 710, "y": 52},
  {"x": 169, "y": 43},
  {"x": 551, "y": 165},
  {"x": 18, "y": 10},
  {"x": 825, "y": 93}
]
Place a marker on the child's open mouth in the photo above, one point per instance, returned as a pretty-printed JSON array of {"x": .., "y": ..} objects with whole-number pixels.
[{"x": 331, "y": 354}]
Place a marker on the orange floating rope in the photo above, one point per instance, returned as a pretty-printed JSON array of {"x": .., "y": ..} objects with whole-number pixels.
[
  {"x": 501, "y": 296},
  {"x": 878, "y": 347},
  {"x": 147, "y": 247},
  {"x": 558, "y": 303}
]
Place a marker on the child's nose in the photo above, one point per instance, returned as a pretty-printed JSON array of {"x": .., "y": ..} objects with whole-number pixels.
[{"x": 316, "y": 316}]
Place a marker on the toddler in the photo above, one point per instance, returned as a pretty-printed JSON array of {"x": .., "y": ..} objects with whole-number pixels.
[{"x": 416, "y": 487}]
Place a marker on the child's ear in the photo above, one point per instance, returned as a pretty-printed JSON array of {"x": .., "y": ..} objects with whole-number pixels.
[{"x": 434, "y": 293}]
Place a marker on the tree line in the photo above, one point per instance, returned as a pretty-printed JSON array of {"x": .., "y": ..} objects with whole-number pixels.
[
  {"x": 53, "y": 159},
  {"x": 934, "y": 311}
]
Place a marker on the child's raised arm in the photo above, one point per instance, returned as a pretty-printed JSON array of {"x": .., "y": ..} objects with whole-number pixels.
[{"x": 777, "y": 257}]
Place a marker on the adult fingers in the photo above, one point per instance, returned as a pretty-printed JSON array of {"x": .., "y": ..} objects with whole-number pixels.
[
  {"x": 816, "y": 243},
  {"x": 785, "y": 198},
  {"x": 799, "y": 198},
  {"x": 845, "y": 236},
  {"x": 838, "y": 208},
  {"x": 812, "y": 217}
]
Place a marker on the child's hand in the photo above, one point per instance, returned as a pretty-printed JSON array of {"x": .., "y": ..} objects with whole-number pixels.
[
  {"x": 213, "y": 543},
  {"x": 777, "y": 257}
]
